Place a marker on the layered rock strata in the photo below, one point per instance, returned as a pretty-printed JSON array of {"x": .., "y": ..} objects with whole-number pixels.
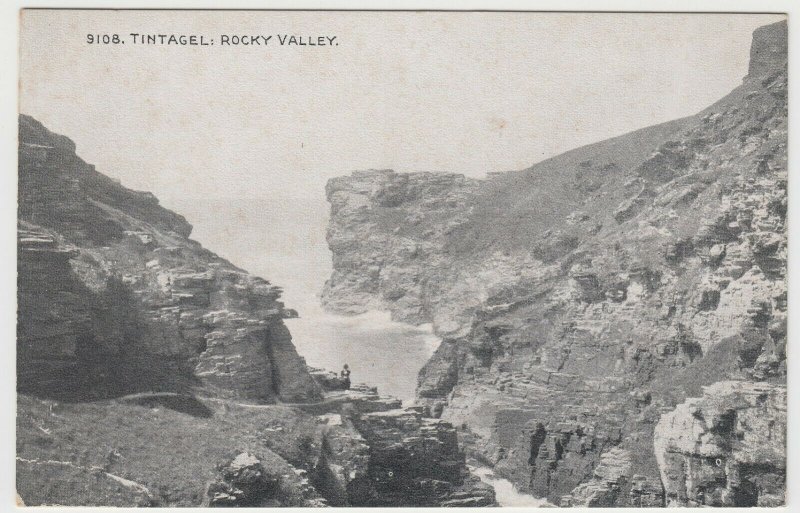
[
  {"x": 129, "y": 329},
  {"x": 360, "y": 449},
  {"x": 374, "y": 452},
  {"x": 581, "y": 299},
  {"x": 414, "y": 461},
  {"x": 114, "y": 297},
  {"x": 725, "y": 448}
]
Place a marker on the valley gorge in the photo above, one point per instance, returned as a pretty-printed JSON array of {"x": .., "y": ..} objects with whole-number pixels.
[
  {"x": 152, "y": 372},
  {"x": 612, "y": 324},
  {"x": 613, "y": 318}
]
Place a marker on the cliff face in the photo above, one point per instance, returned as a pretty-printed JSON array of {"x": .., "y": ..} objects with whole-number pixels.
[
  {"x": 581, "y": 299},
  {"x": 726, "y": 448},
  {"x": 114, "y": 298},
  {"x": 140, "y": 354},
  {"x": 413, "y": 460},
  {"x": 386, "y": 232}
]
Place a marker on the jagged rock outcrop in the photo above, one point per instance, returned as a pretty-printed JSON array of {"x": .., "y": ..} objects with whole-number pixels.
[
  {"x": 768, "y": 50},
  {"x": 374, "y": 452},
  {"x": 726, "y": 448},
  {"x": 365, "y": 276},
  {"x": 581, "y": 299},
  {"x": 114, "y": 298},
  {"x": 329, "y": 380},
  {"x": 129, "y": 331},
  {"x": 359, "y": 449},
  {"x": 343, "y": 459},
  {"x": 146, "y": 450},
  {"x": 414, "y": 461},
  {"x": 243, "y": 482}
]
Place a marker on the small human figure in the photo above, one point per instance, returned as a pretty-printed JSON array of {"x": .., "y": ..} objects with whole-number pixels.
[{"x": 345, "y": 375}]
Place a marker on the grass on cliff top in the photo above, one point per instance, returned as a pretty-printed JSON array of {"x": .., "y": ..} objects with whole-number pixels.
[
  {"x": 513, "y": 209},
  {"x": 173, "y": 454}
]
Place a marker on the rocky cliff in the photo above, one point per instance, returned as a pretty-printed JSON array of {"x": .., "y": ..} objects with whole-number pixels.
[
  {"x": 581, "y": 300},
  {"x": 726, "y": 448},
  {"x": 114, "y": 297},
  {"x": 148, "y": 369},
  {"x": 354, "y": 448}
]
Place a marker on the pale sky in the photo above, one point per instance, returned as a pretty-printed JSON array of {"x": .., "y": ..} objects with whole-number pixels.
[{"x": 241, "y": 140}]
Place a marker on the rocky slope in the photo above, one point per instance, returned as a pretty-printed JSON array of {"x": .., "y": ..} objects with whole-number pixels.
[
  {"x": 583, "y": 298},
  {"x": 149, "y": 368},
  {"x": 726, "y": 448},
  {"x": 114, "y": 297},
  {"x": 166, "y": 449}
]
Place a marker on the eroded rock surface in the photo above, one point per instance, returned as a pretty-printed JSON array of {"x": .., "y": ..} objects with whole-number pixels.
[
  {"x": 581, "y": 299},
  {"x": 725, "y": 448},
  {"x": 374, "y": 452},
  {"x": 414, "y": 461},
  {"x": 114, "y": 298},
  {"x": 243, "y": 482},
  {"x": 129, "y": 330}
]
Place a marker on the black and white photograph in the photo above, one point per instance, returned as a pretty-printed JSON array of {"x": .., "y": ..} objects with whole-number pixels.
[{"x": 409, "y": 258}]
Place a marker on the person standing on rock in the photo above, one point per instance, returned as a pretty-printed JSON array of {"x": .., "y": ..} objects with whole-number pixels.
[{"x": 345, "y": 374}]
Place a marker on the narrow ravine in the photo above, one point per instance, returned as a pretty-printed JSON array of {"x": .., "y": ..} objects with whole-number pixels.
[
  {"x": 379, "y": 351},
  {"x": 506, "y": 494}
]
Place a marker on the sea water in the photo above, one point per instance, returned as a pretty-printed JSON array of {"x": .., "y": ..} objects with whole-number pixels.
[
  {"x": 283, "y": 240},
  {"x": 379, "y": 351}
]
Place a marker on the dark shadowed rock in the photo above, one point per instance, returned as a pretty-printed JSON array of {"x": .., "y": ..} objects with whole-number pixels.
[
  {"x": 114, "y": 298},
  {"x": 769, "y": 49},
  {"x": 415, "y": 461}
]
